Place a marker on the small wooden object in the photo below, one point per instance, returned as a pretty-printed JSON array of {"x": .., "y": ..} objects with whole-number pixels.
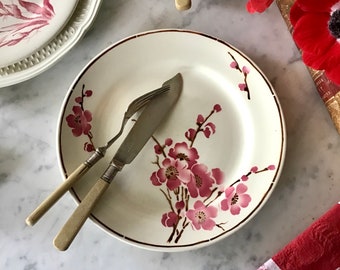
[{"x": 183, "y": 4}]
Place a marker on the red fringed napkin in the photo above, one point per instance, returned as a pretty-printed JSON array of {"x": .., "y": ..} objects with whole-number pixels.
[{"x": 317, "y": 248}]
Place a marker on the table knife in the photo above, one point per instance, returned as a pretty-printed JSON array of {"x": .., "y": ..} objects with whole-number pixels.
[{"x": 148, "y": 121}]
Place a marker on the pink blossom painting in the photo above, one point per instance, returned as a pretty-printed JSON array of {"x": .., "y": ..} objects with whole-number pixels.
[
  {"x": 244, "y": 71},
  {"x": 196, "y": 195},
  {"x": 199, "y": 196},
  {"x": 80, "y": 119},
  {"x": 22, "y": 19}
]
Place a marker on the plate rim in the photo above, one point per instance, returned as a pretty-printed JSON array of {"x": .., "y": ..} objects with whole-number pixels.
[
  {"x": 49, "y": 54},
  {"x": 197, "y": 244}
]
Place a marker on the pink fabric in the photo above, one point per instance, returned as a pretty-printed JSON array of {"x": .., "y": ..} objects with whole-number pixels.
[{"x": 317, "y": 248}]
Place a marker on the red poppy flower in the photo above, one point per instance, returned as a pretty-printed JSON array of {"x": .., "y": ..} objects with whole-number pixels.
[
  {"x": 317, "y": 33},
  {"x": 258, "y": 5}
]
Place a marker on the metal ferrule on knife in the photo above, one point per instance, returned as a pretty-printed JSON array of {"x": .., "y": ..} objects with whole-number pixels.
[{"x": 111, "y": 171}]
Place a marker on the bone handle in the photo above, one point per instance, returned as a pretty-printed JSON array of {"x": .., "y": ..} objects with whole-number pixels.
[
  {"x": 66, "y": 235},
  {"x": 56, "y": 195}
]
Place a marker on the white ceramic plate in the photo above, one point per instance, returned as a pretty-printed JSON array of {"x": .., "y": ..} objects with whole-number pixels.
[
  {"x": 227, "y": 123},
  {"x": 28, "y": 25},
  {"x": 37, "y": 34}
]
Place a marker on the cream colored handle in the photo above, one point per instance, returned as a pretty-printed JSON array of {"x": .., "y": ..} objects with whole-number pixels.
[
  {"x": 183, "y": 4},
  {"x": 66, "y": 235},
  {"x": 56, "y": 195}
]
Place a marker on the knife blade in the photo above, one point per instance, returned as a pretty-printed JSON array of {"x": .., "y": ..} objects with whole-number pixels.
[{"x": 148, "y": 121}]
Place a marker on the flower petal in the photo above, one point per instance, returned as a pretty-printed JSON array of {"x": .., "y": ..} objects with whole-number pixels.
[
  {"x": 313, "y": 60},
  {"x": 258, "y": 5},
  {"x": 334, "y": 74},
  {"x": 173, "y": 183},
  {"x": 316, "y": 5},
  {"x": 333, "y": 56},
  {"x": 241, "y": 188},
  {"x": 225, "y": 205},
  {"x": 88, "y": 115},
  {"x": 324, "y": 62},
  {"x": 296, "y": 13},
  {"x": 212, "y": 211},
  {"x": 76, "y": 132},
  {"x": 199, "y": 205},
  {"x": 244, "y": 200},
  {"x": 229, "y": 192},
  {"x": 77, "y": 110},
  {"x": 208, "y": 225},
  {"x": 218, "y": 175},
  {"x": 235, "y": 209},
  {"x": 311, "y": 33},
  {"x": 31, "y": 7}
]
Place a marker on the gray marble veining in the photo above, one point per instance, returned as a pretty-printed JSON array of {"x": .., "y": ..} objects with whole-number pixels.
[{"x": 28, "y": 161}]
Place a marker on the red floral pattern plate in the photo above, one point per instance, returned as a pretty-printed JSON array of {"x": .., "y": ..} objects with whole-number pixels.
[
  {"x": 34, "y": 35},
  {"x": 28, "y": 25},
  {"x": 207, "y": 170}
]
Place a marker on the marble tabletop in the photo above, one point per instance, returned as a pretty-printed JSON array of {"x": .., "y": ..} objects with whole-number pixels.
[{"x": 29, "y": 112}]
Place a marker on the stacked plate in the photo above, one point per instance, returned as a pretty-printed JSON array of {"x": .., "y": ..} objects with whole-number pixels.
[{"x": 34, "y": 35}]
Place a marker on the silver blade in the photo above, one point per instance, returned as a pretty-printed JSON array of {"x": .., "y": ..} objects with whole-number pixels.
[{"x": 151, "y": 117}]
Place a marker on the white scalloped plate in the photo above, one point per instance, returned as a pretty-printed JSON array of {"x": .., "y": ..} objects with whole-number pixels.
[
  {"x": 227, "y": 123},
  {"x": 28, "y": 25},
  {"x": 54, "y": 27}
]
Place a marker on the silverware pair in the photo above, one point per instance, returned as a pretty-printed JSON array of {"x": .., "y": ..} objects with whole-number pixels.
[
  {"x": 157, "y": 108},
  {"x": 100, "y": 152}
]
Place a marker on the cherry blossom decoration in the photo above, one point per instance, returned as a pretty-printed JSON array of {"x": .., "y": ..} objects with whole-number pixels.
[
  {"x": 79, "y": 121},
  {"x": 196, "y": 195},
  {"x": 27, "y": 17},
  {"x": 243, "y": 86}
]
